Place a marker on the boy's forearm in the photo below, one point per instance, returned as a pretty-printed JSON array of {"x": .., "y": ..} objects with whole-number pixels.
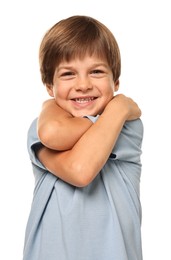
[
  {"x": 95, "y": 146},
  {"x": 57, "y": 129}
]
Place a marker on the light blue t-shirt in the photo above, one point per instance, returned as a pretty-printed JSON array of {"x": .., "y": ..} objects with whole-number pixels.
[{"x": 101, "y": 221}]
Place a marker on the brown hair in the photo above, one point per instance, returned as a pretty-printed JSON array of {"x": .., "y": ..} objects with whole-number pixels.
[{"x": 74, "y": 37}]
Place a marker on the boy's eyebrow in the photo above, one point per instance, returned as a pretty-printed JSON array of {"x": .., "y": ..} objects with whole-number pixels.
[
  {"x": 100, "y": 64},
  {"x": 64, "y": 67},
  {"x": 97, "y": 64}
]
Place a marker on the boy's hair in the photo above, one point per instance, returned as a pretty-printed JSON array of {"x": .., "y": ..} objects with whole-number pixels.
[{"x": 75, "y": 37}]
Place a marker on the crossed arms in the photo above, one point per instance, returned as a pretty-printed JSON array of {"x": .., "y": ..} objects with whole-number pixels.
[{"x": 75, "y": 149}]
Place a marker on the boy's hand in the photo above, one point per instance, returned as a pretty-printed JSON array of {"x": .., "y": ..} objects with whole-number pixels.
[{"x": 126, "y": 106}]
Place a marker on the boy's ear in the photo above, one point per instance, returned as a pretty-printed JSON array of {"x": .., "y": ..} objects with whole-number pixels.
[
  {"x": 116, "y": 86},
  {"x": 49, "y": 89}
]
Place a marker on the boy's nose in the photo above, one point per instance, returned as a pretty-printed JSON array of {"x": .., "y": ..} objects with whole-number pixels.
[{"x": 83, "y": 85}]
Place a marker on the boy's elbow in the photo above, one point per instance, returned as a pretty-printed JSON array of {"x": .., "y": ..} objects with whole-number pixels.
[
  {"x": 82, "y": 182},
  {"x": 43, "y": 134},
  {"x": 53, "y": 136},
  {"x": 83, "y": 175},
  {"x": 46, "y": 134}
]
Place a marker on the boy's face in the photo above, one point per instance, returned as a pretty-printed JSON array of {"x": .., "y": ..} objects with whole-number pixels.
[{"x": 83, "y": 86}]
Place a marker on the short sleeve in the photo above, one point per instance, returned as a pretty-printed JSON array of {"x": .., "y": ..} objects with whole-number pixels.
[
  {"x": 128, "y": 145},
  {"x": 33, "y": 144}
]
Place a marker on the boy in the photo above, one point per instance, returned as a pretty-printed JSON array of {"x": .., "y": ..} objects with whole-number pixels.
[{"x": 85, "y": 150}]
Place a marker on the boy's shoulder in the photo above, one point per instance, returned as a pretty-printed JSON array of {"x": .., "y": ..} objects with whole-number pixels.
[{"x": 134, "y": 125}]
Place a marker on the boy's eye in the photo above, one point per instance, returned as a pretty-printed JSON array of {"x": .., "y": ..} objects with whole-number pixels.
[
  {"x": 67, "y": 73},
  {"x": 97, "y": 71}
]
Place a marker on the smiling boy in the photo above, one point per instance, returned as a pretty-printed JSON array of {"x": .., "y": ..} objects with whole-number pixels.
[{"x": 85, "y": 149}]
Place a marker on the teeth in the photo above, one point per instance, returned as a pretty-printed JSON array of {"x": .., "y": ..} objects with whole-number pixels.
[{"x": 84, "y": 100}]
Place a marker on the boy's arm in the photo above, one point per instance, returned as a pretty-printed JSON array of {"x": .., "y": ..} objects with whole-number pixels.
[
  {"x": 80, "y": 165},
  {"x": 59, "y": 130}
]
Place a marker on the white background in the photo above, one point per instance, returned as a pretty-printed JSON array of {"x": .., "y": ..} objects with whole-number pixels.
[{"x": 143, "y": 31}]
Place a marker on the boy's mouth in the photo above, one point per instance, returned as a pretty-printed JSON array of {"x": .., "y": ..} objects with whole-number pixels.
[{"x": 83, "y": 100}]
